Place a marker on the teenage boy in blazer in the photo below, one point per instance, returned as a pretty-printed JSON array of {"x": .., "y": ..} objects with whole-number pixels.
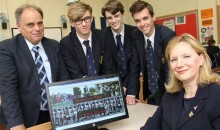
[
  {"x": 159, "y": 36},
  {"x": 74, "y": 51},
  {"x": 113, "y": 11}
]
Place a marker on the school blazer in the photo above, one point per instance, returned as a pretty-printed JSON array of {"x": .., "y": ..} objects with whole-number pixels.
[
  {"x": 203, "y": 113},
  {"x": 128, "y": 29},
  {"x": 75, "y": 59}
]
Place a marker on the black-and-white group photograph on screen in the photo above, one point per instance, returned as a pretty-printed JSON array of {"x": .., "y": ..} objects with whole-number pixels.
[{"x": 86, "y": 102}]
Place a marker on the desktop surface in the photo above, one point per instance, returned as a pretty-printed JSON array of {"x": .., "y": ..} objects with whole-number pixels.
[{"x": 138, "y": 115}]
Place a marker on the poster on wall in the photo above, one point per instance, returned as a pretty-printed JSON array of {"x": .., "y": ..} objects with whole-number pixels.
[
  {"x": 170, "y": 23},
  {"x": 180, "y": 20},
  {"x": 207, "y": 13},
  {"x": 206, "y": 34}
]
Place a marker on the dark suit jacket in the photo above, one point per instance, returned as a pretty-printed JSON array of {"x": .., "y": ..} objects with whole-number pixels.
[
  {"x": 139, "y": 64},
  {"x": 75, "y": 59},
  {"x": 19, "y": 81},
  {"x": 127, "y": 45},
  {"x": 212, "y": 50},
  {"x": 203, "y": 113}
]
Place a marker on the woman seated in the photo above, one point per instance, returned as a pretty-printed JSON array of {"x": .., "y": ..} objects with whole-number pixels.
[{"x": 192, "y": 98}]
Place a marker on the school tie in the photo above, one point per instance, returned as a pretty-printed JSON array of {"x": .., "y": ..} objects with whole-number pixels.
[
  {"x": 42, "y": 76},
  {"x": 151, "y": 72},
  {"x": 90, "y": 60},
  {"x": 121, "y": 56}
]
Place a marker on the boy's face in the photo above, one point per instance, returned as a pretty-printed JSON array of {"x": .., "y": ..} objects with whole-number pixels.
[
  {"x": 144, "y": 21},
  {"x": 83, "y": 25},
  {"x": 114, "y": 20}
]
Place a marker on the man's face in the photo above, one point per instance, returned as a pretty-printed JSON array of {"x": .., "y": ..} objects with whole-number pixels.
[
  {"x": 31, "y": 25},
  {"x": 114, "y": 20},
  {"x": 83, "y": 25},
  {"x": 144, "y": 21}
]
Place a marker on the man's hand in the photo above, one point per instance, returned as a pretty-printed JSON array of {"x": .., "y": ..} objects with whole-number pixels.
[
  {"x": 131, "y": 100},
  {"x": 19, "y": 127}
]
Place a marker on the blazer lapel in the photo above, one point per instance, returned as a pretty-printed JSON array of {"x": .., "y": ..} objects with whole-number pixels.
[
  {"x": 113, "y": 45},
  {"x": 27, "y": 58},
  {"x": 195, "y": 107},
  {"x": 78, "y": 51},
  {"x": 141, "y": 50},
  {"x": 157, "y": 47},
  {"x": 96, "y": 49},
  {"x": 126, "y": 43},
  {"x": 175, "y": 109}
]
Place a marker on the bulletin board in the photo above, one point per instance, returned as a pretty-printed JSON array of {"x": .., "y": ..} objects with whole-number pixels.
[
  {"x": 49, "y": 32},
  {"x": 184, "y": 23}
]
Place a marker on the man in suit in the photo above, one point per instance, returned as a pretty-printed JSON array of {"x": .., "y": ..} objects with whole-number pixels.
[
  {"x": 74, "y": 50},
  {"x": 22, "y": 81},
  {"x": 113, "y": 11},
  {"x": 158, "y": 36},
  {"x": 213, "y": 51}
]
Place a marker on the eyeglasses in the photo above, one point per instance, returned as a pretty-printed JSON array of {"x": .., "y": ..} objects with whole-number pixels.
[{"x": 80, "y": 21}]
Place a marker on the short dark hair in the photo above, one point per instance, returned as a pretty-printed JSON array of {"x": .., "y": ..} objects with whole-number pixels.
[
  {"x": 113, "y": 6},
  {"x": 138, "y": 6},
  {"x": 19, "y": 11},
  {"x": 211, "y": 42}
]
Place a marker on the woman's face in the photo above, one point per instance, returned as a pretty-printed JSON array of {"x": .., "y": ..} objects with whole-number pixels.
[{"x": 185, "y": 63}]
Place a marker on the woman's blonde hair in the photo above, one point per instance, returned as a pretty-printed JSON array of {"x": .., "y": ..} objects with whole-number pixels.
[{"x": 205, "y": 73}]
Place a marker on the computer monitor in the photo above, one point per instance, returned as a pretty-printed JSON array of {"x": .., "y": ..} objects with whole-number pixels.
[{"x": 86, "y": 103}]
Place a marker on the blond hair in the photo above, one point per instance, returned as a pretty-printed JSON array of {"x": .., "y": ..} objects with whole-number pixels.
[
  {"x": 205, "y": 73},
  {"x": 77, "y": 10}
]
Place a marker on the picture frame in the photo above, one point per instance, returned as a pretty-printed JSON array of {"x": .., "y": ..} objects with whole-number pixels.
[
  {"x": 180, "y": 19},
  {"x": 49, "y": 32}
]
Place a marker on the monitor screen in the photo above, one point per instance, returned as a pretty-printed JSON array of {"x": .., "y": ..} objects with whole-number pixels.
[{"x": 86, "y": 103}]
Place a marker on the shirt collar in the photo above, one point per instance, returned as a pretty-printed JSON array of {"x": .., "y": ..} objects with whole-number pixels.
[
  {"x": 30, "y": 45},
  {"x": 151, "y": 38},
  {"x": 122, "y": 32},
  {"x": 81, "y": 39}
]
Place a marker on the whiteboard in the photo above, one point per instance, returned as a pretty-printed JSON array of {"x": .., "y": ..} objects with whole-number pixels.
[{"x": 49, "y": 32}]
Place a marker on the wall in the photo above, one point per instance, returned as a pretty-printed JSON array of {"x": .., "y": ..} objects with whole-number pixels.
[
  {"x": 164, "y": 8},
  {"x": 203, "y": 4},
  {"x": 53, "y": 9},
  {"x": 174, "y": 7}
]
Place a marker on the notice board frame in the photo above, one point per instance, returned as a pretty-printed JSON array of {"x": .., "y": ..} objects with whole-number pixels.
[{"x": 49, "y": 32}]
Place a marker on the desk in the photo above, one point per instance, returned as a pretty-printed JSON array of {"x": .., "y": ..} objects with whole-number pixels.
[{"x": 138, "y": 115}]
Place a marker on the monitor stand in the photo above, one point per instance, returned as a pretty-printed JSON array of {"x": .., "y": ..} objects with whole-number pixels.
[{"x": 96, "y": 128}]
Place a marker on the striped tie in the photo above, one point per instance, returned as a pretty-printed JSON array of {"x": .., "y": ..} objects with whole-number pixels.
[
  {"x": 42, "y": 76},
  {"x": 121, "y": 56},
  {"x": 151, "y": 71},
  {"x": 90, "y": 60}
]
